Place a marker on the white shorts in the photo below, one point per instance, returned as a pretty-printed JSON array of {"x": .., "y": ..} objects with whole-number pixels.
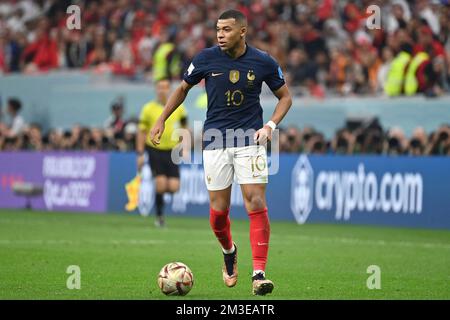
[{"x": 247, "y": 165}]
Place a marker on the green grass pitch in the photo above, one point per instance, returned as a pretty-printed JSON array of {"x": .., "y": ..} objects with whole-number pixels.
[{"x": 120, "y": 256}]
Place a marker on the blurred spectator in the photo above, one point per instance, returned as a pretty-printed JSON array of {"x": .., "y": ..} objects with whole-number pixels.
[
  {"x": 338, "y": 77},
  {"x": 415, "y": 147},
  {"x": 166, "y": 59},
  {"x": 98, "y": 56},
  {"x": 343, "y": 142},
  {"x": 85, "y": 138},
  {"x": 146, "y": 46},
  {"x": 316, "y": 144},
  {"x": 353, "y": 16},
  {"x": 399, "y": 16},
  {"x": 115, "y": 123},
  {"x": 76, "y": 50},
  {"x": 291, "y": 140},
  {"x": 96, "y": 140},
  {"x": 66, "y": 140},
  {"x": 432, "y": 73},
  {"x": 396, "y": 75},
  {"x": 17, "y": 124},
  {"x": 54, "y": 139},
  {"x": 383, "y": 71},
  {"x": 300, "y": 67},
  {"x": 11, "y": 144},
  {"x": 395, "y": 143},
  {"x": 122, "y": 59},
  {"x": 42, "y": 53},
  {"x": 127, "y": 141},
  {"x": 429, "y": 11},
  {"x": 335, "y": 34},
  {"x": 373, "y": 144},
  {"x": 302, "y": 73},
  {"x": 75, "y": 137},
  {"x": 34, "y": 135},
  {"x": 439, "y": 141}
]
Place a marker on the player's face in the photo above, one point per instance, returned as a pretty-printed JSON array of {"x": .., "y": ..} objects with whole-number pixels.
[
  {"x": 229, "y": 33},
  {"x": 162, "y": 90}
]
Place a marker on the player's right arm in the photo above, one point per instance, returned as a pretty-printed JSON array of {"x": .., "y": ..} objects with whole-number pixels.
[
  {"x": 193, "y": 75},
  {"x": 175, "y": 100}
]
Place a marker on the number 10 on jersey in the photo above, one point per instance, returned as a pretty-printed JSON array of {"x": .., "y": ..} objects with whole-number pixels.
[{"x": 234, "y": 98}]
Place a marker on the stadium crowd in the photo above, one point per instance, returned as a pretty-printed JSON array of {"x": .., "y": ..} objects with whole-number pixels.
[
  {"x": 356, "y": 137},
  {"x": 325, "y": 47}
]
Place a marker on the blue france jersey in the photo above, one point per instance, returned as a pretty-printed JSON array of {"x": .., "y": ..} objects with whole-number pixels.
[{"x": 233, "y": 87}]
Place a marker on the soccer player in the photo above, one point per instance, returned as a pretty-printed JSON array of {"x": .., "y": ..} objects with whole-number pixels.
[
  {"x": 165, "y": 171},
  {"x": 234, "y": 72}
]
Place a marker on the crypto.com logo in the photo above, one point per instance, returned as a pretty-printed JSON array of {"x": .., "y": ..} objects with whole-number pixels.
[
  {"x": 302, "y": 190},
  {"x": 74, "y": 20}
]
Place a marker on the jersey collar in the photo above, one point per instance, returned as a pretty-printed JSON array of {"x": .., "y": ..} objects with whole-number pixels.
[{"x": 241, "y": 56}]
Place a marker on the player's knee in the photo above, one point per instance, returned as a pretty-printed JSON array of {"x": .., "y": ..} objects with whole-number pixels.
[
  {"x": 256, "y": 202},
  {"x": 219, "y": 204}
]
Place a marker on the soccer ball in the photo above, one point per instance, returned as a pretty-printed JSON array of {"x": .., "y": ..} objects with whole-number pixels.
[{"x": 175, "y": 279}]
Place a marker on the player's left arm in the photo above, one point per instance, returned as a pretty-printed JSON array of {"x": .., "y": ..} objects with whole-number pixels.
[
  {"x": 283, "y": 105},
  {"x": 281, "y": 109}
]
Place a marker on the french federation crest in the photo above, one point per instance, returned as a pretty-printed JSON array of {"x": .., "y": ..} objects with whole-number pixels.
[
  {"x": 302, "y": 189},
  {"x": 234, "y": 76},
  {"x": 251, "y": 75},
  {"x": 250, "y": 78}
]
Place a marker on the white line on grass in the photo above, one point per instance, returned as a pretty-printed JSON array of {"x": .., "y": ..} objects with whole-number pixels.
[
  {"x": 101, "y": 242},
  {"x": 290, "y": 241}
]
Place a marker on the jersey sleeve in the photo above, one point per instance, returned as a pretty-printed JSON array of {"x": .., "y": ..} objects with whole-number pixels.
[
  {"x": 274, "y": 78},
  {"x": 196, "y": 70}
]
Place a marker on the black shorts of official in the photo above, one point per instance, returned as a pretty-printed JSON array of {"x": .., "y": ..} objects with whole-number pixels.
[{"x": 161, "y": 163}]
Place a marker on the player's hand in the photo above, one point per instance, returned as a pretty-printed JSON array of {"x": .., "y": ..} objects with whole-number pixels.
[
  {"x": 156, "y": 132},
  {"x": 262, "y": 135}
]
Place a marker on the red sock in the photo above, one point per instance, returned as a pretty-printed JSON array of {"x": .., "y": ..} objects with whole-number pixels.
[
  {"x": 220, "y": 224},
  {"x": 259, "y": 237}
]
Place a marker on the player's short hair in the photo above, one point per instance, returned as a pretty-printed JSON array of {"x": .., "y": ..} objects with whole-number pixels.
[{"x": 234, "y": 14}]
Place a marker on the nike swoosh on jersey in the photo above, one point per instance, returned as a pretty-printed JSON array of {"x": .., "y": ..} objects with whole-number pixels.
[
  {"x": 216, "y": 74},
  {"x": 262, "y": 243}
]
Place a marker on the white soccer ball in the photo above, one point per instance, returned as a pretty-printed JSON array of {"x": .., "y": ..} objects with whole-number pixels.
[{"x": 175, "y": 279}]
